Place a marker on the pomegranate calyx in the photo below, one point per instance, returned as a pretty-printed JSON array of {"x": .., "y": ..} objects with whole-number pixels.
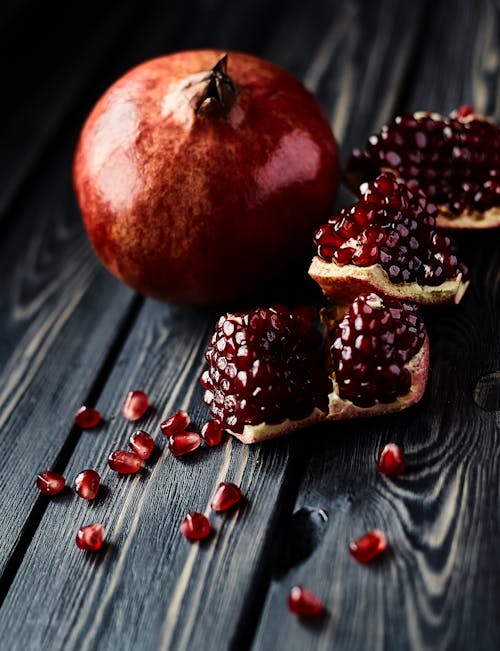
[{"x": 215, "y": 91}]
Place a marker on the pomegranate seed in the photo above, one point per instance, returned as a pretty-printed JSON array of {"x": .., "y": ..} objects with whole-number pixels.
[
  {"x": 124, "y": 462},
  {"x": 368, "y": 547},
  {"x": 135, "y": 405},
  {"x": 90, "y": 537},
  {"x": 87, "y": 417},
  {"x": 183, "y": 443},
  {"x": 304, "y": 603},
  {"x": 195, "y": 526},
  {"x": 142, "y": 443},
  {"x": 50, "y": 483},
  {"x": 176, "y": 423},
  {"x": 391, "y": 461},
  {"x": 211, "y": 433},
  {"x": 87, "y": 484},
  {"x": 226, "y": 496}
]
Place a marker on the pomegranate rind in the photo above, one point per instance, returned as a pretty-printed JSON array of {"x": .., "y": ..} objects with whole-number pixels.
[
  {"x": 264, "y": 431},
  {"x": 342, "y": 284}
]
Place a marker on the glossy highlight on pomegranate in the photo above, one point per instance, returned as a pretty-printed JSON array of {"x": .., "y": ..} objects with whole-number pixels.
[{"x": 200, "y": 175}]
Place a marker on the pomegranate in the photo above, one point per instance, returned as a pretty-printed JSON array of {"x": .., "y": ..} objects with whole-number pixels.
[
  {"x": 211, "y": 433},
  {"x": 455, "y": 160},
  {"x": 195, "y": 526},
  {"x": 175, "y": 423},
  {"x": 195, "y": 165},
  {"x": 124, "y": 462},
  {"x": 90, "y": 538},
  {"x": 387, "y": 243},
  {"x": 87, "y": 484},
  {"x": 135, "y": 405},
  {"x": 226, "y": 496},
  {"x": 87, "y": 417},
  {"x": 183, "y": 443},
  {"x": 269, "y": 369},
  {"x": 369, "y": 547},
  {"x": 391, "y": 461},
  {"x": 141, "y": 443},
  {"x": 304, "y": 603},
  {"x": 50, "y": 483}
]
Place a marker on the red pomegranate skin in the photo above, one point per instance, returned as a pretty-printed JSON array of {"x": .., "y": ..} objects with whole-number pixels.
[{"x": 206, "y": 206}]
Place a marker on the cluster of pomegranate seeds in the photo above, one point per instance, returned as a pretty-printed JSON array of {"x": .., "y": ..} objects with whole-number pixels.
[
  {"x": 369, "y": 547},
  {"x": 124, "y": 462},
  {"x": 176, "y": 423},
  {"x": 87, "y": 484},
  {"x": 211, "y": 433},
  {"x": 135, "y": 405},
  {"x": 183, "y": 443},
  {"x": 265, "y": 365},
  {"x": 141, "y": 443},
  {"x": 394, "y": 226},
  {"x": 454, "y": 160},
  {"x": 87, "y": 417},
  {"x": 91, "y": 537},
  {"x": 374, "y": 341},
  {"x": 304, "y": 603},
  {"x": 391, "y": 461},
  {"x": 226, "y": 496},
  {"x": 195, "y": 526},
  {"x": 50, "y": 483}
]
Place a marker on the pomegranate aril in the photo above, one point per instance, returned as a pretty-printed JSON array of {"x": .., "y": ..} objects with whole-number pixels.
[
  {"x": 183, "y": 443},
  {"x": 135, "y": 405},
  {"x": 50, "y": 483},
  {"x": 367, "y": 548},
  {"x": 391, "y": 461},
  {"x": 176, "y": 423},
  {"x": 87, "y": 484},
  {"x": 195, "y": 526},
  {"x": 141, "y": 443},
  {"x": 226, "y": 496},
  {"x": 304, "y": 603},
  {"x": 124, "y": 462},
  {"x": 91, "y": 537},
  {"x": 87, "y": 417},
  {"x": 211, "y": 433}
]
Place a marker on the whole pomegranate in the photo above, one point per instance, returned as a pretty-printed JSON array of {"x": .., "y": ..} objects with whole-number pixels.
[{"x": 202, "y": 175}]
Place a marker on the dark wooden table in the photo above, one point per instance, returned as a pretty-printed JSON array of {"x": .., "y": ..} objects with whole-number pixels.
[{"x": 71, "y": 334}]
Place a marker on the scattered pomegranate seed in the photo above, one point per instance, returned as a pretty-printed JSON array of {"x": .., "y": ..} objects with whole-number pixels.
[
  {"x": 368, "y": 547},
  {"x": 142, "y": 443},
  {"x": 50, "y": 483},
  {"x": 87, "y": 484},
  {"x": 195, "y": 526},
  {"x": 183, "y": 443},
  {"x": 135, "y": 405},
  {"x": 87, "y": 417},
  {"x": 90, "y": 537},
  {"x": 391, "y": 461},
  {"x": 124, "y": 462},
  {"x": 211, "y": 433},
  {"x": 226, "y": 496},
  {"x": 176, "y": 423},
  {"x": 304, "y": 603}
]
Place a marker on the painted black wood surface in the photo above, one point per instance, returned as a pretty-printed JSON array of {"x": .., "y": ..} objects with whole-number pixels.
[{"x": 70, "y": 333}]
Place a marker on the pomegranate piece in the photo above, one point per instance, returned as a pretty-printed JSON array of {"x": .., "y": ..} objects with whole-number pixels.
[
  {"x": 124, "y": 462},
  {"x": 142, "y": 443},
  {"x": 211, "y": 433},
  {"x": 391, "y": 461},
  {"x": 226, "y": 496},
  {"x": 304, "y": 603},
  {"x": 455, "y": 160},
  {"x": 87, "y": 484},
  {"x": 91, "y": 537},
  {"x": 50, "y": 483},
  {"x": 387, "y": 242},
  {"x": 135, "y": 405},
  {"x": 176, "y": 423},
  {"x": 369, "y": 547},
  {"x": 183, "y": 443},
  {"x": 195, "y": 526},
  {"x": 87, "y": 417}
]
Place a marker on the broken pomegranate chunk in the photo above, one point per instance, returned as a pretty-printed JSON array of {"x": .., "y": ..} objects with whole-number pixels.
[
  {"x": 211, "y": 433},
  {"x": 195, "y": 526},
  {"x": 87, "y": 417},
  {"x": 226, "y": 496},
  {"x": 304, "y": 603},
  {"x": 91, "y": 537},
  {"x": 50, "y": 483},
  {"x": 124, "y": 462},
  {"x": 391, "y": 461},
  {"x": 142, "y": 443},
  {"x": 135, "y": 405},
  {"x": 369, "y": 547},
  {"x": 176, "y": 423},
  {"x": 87, "y": 484},
  {"x": 455, "y": 160}
]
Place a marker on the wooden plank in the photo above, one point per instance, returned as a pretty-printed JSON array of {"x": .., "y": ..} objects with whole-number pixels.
[
  {"x": 150, "y": 587},
  {"x": 438, "y": 586}
]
